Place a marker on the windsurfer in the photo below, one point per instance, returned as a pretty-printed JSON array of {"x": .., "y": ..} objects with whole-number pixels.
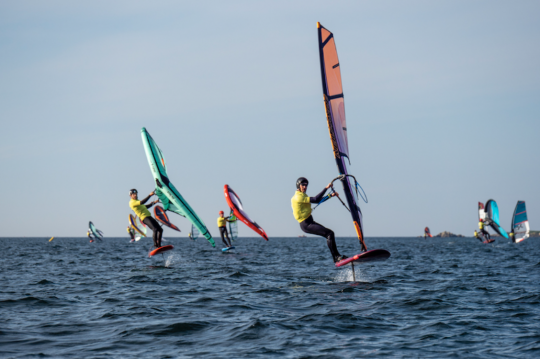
[
  {"x": 301, "y": 205},
  {"x": 90, "y": 236},
  {"x": 222, "y": 224},
  {"x": 477, "y": 236},
  {"x": 141, "y": 210},
  {"x": 131, "y": 233},
  {"x": 481, "y": 225}
]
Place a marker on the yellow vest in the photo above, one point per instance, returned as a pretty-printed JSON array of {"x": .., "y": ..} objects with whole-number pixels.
[
  {"x": 481, "y": 225},
  {"x": 140, "y": 209},
  {"x": 221, "y": 222},
  {"x": 301, "y": 206}
]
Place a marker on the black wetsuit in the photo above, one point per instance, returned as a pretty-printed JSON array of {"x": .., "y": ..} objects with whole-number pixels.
[
  {"x": 310, "y": 226},
  {"x": 485, "y": 232},
  {"x": 153, "y": 224},
  {"x": 225, "y": 234},
  {"x": 156, "y": 228}
]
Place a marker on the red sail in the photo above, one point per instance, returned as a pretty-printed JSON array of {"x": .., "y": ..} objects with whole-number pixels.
[{"x": 236, "y": 205}]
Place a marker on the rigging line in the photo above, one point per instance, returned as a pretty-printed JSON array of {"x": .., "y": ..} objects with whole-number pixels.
[{"x": 343, "y": 203}]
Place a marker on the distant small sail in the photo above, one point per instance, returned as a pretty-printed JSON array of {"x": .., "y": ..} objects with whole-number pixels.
[
  {"x": 133, "y": 223},
  {"x": 96, "y": 232},
  {"x": 51, "y": 239},
  {"x": 520, "y": 223},
  {"x": 194, "y": 234},
  {"x": 427, "y": 233},
  {"x": 233, "y": 226},
  {"x": 481, "y": 211}
]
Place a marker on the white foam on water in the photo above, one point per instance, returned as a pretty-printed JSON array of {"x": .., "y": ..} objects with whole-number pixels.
[
  {"x": 346, "y": 275},
  {"x": 171, "y": 258}
]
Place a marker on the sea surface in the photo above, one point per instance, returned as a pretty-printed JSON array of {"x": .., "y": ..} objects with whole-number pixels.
[{"x": 435, "y": 298}]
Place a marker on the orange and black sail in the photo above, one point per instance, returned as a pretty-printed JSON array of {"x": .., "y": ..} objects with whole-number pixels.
[{"x": 334, "y": 105}]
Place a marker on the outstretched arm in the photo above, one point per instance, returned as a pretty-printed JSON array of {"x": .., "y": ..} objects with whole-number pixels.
[
  {"x": 151, "y": 204},
  {"x": 144, "y": 200},
  {"x": 319, "y": 197}
]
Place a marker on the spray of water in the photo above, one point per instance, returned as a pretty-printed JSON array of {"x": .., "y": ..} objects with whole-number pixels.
[
  {"x": 172, "y": 258},
  {"x": 346, "y": 275}
]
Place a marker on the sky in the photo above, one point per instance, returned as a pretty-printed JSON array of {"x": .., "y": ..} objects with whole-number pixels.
[{"x": 442, "y": 100}]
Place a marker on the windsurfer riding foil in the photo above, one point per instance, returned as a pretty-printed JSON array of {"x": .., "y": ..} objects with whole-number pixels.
[
  {"x": 131, "y": 233},
  {"x": 482, "y": 225},
  {"x": 301, "y": 205},
  {"x": 222, "y": 225},
  {"x": 141, "y": 210}
]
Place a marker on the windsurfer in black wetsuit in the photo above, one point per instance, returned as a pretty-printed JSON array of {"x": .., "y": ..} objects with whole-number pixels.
[
  {"x": 222, "y": 225},
  {"x": 301, "y": 205},
  {"x": 131, "y": 233},
  {"x": 141, "y": 210},
  {"x": 482, "y": 225},
  {"x": 477, "y": 236}
]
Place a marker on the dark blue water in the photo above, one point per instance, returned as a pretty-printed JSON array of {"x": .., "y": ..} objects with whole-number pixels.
[{"x": 284, "y": 298}]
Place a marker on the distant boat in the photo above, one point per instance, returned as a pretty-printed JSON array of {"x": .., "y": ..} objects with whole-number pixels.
[{"x": 302, "y": 236}]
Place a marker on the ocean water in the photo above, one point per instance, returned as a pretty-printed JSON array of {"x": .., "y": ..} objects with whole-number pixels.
[{"x": 436, "y": 298}]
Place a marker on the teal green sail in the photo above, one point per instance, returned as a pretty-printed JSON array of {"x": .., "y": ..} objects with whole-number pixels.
[
  {"x": 233, "y": 226},
  {"x": 96, "y": 232},
  {"x": 169, "y": 196}
]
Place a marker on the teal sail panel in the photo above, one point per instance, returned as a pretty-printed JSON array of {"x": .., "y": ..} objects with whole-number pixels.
[
  {"x": 233, "y": 226},
  {"x": 492, "y": 212},
  {"x": 96, "y": 232},
  {"x": 169, "y": 196}
]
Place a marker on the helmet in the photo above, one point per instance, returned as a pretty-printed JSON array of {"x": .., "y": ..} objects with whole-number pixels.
[
  {"x": 132, "y": 191},
  {"x": 220, "y": 212},
  {"x": 481, "y": 220},
  {"x": 300, "y": 181}
]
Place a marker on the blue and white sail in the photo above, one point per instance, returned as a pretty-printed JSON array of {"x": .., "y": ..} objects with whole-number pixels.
[{"x": 520, "y": 223}]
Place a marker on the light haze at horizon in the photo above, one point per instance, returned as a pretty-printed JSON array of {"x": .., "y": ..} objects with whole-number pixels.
[{"x": 441, "y": 102}]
